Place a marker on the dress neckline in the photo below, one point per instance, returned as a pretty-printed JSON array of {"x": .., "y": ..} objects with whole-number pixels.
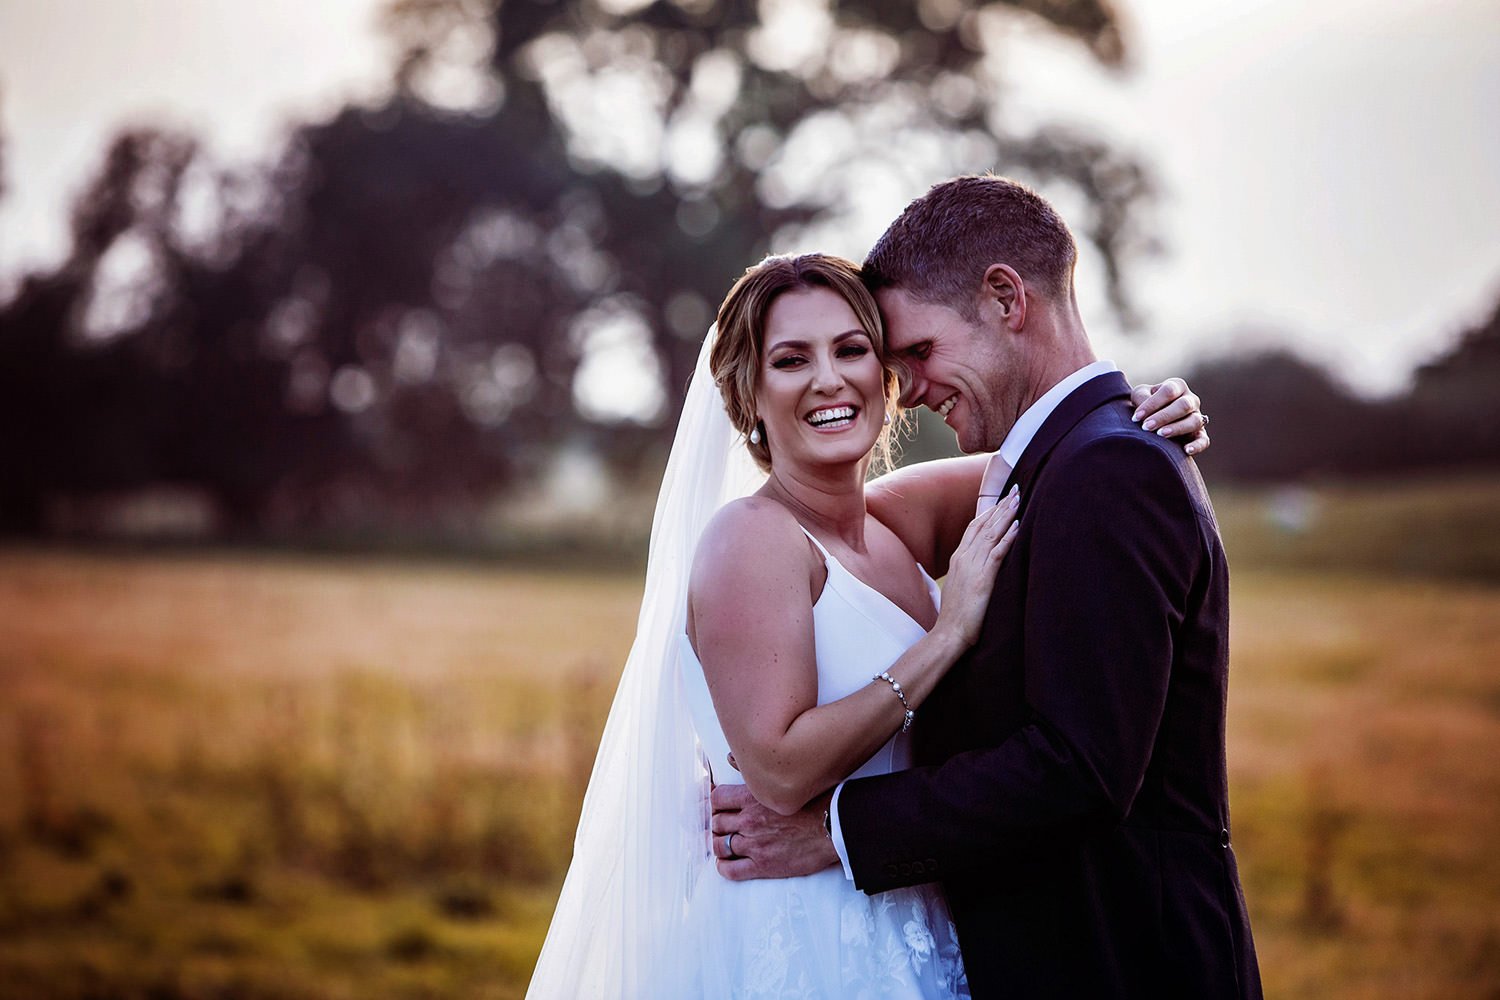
[{"x": 830, "y": 558}]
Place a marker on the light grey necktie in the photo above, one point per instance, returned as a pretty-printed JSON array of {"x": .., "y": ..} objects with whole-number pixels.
[{"x": 992, "y": 486}]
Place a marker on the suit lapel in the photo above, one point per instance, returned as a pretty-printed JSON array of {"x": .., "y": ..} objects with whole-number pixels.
[{"x": 1079, "y": 403}]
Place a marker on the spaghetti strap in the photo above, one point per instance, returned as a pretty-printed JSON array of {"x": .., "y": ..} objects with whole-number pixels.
[{"x": 819, "y": 544}]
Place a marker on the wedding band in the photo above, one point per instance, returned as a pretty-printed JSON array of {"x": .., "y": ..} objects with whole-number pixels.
[
  {"x": 729, "y": 846},
  {"x": 1204, "y": 417}
]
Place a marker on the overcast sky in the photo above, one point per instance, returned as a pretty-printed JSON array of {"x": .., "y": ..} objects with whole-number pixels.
[{"x": 1331, "y": 170}]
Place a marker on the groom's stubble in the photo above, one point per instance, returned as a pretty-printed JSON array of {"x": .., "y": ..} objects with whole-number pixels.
[{"x": 999, "y": 364}]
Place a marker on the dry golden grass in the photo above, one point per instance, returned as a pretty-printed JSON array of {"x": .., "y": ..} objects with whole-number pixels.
[
  {"x": 1365, "y": 719},
  {"x": 1446, "y": 527},
  {"x": 284, "y": 778},
  {"x": 277, "y": 777}
]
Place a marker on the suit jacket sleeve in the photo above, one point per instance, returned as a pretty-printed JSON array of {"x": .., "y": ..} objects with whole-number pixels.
[{"x": 1115, "y": 547}]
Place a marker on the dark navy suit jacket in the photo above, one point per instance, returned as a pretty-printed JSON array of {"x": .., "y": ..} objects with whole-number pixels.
[{"x": 1071, "y": 790}]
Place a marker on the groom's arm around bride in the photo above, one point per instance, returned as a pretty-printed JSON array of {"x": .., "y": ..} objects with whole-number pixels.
[
  {"x": 1075, "y": 808},
  {"x": 1072, "y": 798}
]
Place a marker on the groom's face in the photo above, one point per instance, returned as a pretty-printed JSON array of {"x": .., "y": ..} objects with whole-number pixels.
[{"x": 959, "y": 369}]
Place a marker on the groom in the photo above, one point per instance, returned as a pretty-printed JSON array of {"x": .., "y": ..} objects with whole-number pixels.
[{"x": 1072, "y": 794}]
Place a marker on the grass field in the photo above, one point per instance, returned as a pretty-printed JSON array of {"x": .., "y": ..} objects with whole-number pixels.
[{"x": 256, "y": 777}]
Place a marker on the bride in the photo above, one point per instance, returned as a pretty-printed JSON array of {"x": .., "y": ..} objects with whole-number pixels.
[{"x": 793, "y": 650}]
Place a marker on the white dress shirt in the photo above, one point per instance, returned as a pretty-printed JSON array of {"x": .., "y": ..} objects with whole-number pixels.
[{"x": 1011, "y": 450}]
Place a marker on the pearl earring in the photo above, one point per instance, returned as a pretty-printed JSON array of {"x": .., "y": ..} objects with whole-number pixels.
[
  {"x": 755, "y": 434},
  {"x": 887, "y": 420}
]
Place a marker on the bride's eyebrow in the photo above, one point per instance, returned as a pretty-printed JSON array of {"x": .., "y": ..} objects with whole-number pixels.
[{"x": 803, "y": 345}]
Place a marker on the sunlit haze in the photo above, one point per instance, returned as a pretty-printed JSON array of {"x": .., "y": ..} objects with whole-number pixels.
[{"x": 1329, "y": 175}]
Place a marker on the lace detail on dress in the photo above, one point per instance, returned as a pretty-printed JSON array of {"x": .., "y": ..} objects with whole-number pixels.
[
  {"x": 776, "y": 966},
  {"x": 897, "y": 944},
  {"x": 890, "y": 948}
]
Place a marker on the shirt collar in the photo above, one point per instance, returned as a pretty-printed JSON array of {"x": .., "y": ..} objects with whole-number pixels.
[{"x": 1014, "y": 445}]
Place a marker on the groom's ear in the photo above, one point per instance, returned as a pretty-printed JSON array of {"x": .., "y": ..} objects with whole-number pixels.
[{"x": 1003, "y": 297}]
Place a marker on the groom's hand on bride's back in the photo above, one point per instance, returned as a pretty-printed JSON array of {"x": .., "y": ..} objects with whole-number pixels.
[{"x": 765, "y": 843}]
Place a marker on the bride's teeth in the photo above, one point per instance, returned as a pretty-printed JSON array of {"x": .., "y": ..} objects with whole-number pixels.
[{"x": 831, "y": 416}]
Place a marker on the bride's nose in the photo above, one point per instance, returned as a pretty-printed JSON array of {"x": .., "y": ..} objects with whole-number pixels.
[{"x": 826, "y": 376}]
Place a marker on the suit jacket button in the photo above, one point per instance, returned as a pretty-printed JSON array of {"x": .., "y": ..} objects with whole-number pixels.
[
  {"x": 906, "y": 868},
  {"x": 890, "y": 871},
  {"x": 1224, "y": 838},
  {"x": 932, "y": 866}
]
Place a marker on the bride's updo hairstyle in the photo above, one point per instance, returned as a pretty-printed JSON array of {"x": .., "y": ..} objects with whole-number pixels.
[{"x": 738, "y": 351}]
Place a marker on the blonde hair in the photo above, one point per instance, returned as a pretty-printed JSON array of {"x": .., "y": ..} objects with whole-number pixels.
[{"x": 737, "y": 353}]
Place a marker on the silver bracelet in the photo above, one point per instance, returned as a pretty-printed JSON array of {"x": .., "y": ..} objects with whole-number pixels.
[{"x": 896, "y": 687}]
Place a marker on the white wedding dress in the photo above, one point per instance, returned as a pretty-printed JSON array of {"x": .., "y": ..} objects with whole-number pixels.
[
  {"x": 817, "y": 936},
  {"x": 642, "y": 914}
]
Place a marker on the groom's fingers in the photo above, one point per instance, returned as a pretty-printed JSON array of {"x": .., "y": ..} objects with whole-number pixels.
[
  {"x": 727, "y": 798},
  {"x": 779, "y": 855},
  {"x": 718, "y": 845},
  {"x": 728, "y": 801},
  {"x": 724, "y": 822},
  {"x": 737, "y": 869}
]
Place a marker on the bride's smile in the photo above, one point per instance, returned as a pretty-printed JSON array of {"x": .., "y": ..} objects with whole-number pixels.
[
  {"x": 820, "y": 392},
  {"x": 831, "y": 419}
]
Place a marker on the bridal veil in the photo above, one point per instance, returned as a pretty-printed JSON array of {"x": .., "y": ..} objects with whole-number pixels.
[{"x": 620, "y": 928}]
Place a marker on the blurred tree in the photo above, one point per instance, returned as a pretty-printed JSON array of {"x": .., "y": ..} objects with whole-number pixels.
[
  {"x": 1455, "y": 403},
  {"x": 517, "y": 252},
  {"x": 140, "y": 360},
  {"x": 1277, "y": 417}
]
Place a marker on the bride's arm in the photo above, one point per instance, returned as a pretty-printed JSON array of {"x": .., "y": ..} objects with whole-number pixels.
[
  {"x": 929, "y": 504},
  {"x": 750, "y": 605}
]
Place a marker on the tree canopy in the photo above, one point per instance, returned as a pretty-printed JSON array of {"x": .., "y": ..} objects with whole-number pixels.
[{"x": 414, "y": 304}]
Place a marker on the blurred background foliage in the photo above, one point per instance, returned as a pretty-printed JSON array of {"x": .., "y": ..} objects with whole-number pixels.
[
  {"x": 415, "y": 306},
  {"x": 461, "y": 320},
  {"x": 496, "y": 281}
]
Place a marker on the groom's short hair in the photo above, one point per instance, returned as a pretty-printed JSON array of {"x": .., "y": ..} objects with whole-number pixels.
[{"x": 939, "y": 248}]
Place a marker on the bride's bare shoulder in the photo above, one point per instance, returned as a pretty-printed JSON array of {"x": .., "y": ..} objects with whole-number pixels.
[
  {"x": 749, "y": 538},
  {"x": 749, "y": 530},
  {"x": 753, "y": 566}
]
